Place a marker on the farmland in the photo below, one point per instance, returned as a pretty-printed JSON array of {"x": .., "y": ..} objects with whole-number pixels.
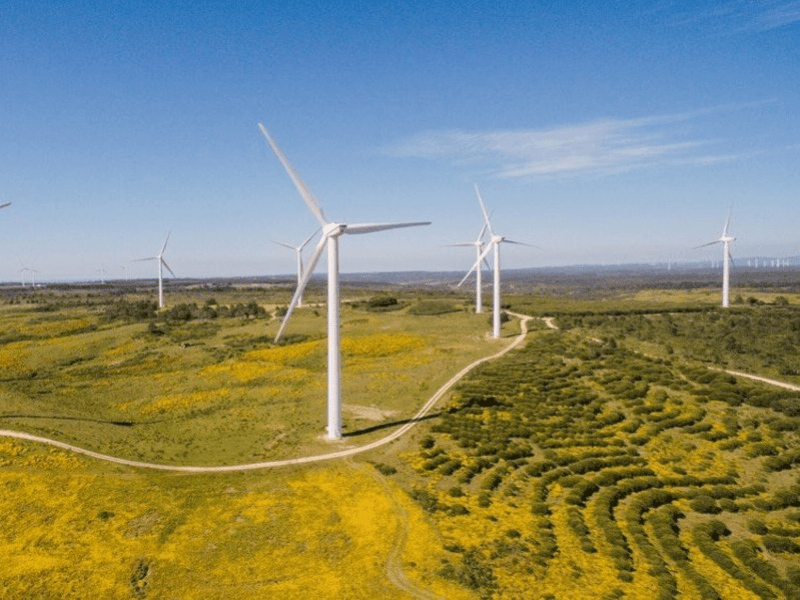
[{"x": 612, "y": 457}]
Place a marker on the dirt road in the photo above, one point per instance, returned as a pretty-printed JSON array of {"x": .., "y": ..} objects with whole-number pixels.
[{"x": 426, "y": 408}]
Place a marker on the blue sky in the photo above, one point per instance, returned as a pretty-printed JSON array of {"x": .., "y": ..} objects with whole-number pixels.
[{"x": 599, "y": 132}]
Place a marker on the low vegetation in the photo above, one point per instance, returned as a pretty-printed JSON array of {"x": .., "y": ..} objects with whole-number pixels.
[
  {"x": 586, "y": 468},
  {"x": 604, "y": 459}
]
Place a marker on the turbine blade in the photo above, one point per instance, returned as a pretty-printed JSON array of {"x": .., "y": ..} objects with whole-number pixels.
[
  {"x": 308, "y": 239},
  {"x": 521, "y": 243},
  {"x": 483, "y": 209},
  {"x": 141, "y": 259},
  {"x": 480, "y": 235},
  {"x": 284, "y": 245},
  {"x": 704, "y": 245},
  {"x": 468, "y": 273},
  {"x": 6, "y": 204},
  {"x": 163, "y": 262},
  {"x": 727, "y": 222},
  {"x": 307, "y": 273},
  {"x": 305, "y": 192},
  {"x": 359, "y": 228},
  {"x": 481, "y": 258},
  {"x": 164, "y": 247}
]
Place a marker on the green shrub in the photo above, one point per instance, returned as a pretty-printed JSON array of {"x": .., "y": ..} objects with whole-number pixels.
[
  {"x": 427, "y": 308},
  {"x": 385, "y": 469}
]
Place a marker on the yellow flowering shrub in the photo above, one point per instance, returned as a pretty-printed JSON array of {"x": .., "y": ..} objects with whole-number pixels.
[
  {"x": 285, "y": 354},
  {"x": 191, "y": 400},
  {"x": 383, "y": 344}
]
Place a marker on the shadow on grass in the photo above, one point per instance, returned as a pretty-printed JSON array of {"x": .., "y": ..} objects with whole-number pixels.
[
  {"x": 57, "y": 418},
  {"x": 483, "y": 402},
  {"x": 391, "y": 424}
]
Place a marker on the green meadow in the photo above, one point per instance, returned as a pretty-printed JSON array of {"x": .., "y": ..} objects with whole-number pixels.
[{"x": 612, "y": 457}]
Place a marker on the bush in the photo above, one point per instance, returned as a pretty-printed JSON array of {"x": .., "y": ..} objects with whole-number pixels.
[
  {"x": 705, "y": 505},
  {"x": 385, "y": 469},
  {"x": 455, "y": 492},
  {"x": 428, "y": 501},
  {"x": 757, "y": 527},
  {"x": 427, "y": 442},
  {"x": 131, "y": 311},
  {"x": 776, "y": 544},
  {"x": 383, "y": 303},
  {"x": 427, "y": 308}
]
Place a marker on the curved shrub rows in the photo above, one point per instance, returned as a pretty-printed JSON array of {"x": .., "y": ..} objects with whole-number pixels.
[{"x": 613, "y": 469}]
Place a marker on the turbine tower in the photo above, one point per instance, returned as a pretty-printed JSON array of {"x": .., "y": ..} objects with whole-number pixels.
[
  {"x": 478, "y": 244},
  {"x": 331, "y": 231},
  {"x": 494, "y": 244},
  {"x": 725, "y": 240},
  {"x": 161, "y": 263},
  {"x": 299, "y": 251}
]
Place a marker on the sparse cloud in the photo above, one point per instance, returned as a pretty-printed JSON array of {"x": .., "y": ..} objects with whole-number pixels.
[
  {"x": 603, "y": 147},
  {"x": 738, "y": 16}
]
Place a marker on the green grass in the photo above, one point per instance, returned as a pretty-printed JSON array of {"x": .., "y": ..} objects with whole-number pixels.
[
  {"x": 601, "y": 460},
  {"x": 219, "y": 391}
]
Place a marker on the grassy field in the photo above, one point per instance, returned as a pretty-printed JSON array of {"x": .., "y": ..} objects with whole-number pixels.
[
  {"x": 218, "y": 391},
  {"x": 601, "y": 460}
]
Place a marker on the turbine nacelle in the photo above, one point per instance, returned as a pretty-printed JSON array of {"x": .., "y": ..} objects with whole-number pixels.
[{"x": 334, "y": 230}]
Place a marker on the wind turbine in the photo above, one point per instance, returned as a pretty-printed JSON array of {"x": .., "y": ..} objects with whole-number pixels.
[
  {"x": 161, "y": 263},
  {"x": 299, "y": 251},
  {"x": 494, "y": 244},
  {"x": 331, "y": 231},
  {"x": 478, "y": 244},
  {"x": 725, "y": 240}
]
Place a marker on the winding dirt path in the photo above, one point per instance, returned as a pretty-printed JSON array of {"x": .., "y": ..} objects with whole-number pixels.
[
  {"x": 426, "y": 408},
  {"x": 394, "y": 563},
  {"x": 782, "y": 384},
  {"x": 775, "y": 382}
]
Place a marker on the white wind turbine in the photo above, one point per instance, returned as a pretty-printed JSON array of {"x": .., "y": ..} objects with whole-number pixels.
[
  {"x": 725, "y": 240},
  {"x": 494, "y": 244},
  {"x": 478, "y": 244},
  {"x": 161, "y": 263},
  {"x": 299, "y": 251},
  {"x": 330, "y": 238}
]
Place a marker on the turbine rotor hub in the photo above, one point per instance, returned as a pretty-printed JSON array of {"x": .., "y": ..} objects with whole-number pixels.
[{"x": 334, "y": 229}]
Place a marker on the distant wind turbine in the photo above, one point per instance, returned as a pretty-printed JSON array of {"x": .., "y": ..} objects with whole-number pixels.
[
  {"x": 330, "y": 238},
  {"x": 478, "y": 244},
  {"x": 161, "y": 263},
  {"x": 725, "y": 240},
  {"x": 299, "y": 251},
  {"x": 494, "y": 244}
]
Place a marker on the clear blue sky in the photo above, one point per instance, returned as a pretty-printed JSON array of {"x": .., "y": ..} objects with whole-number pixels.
[{"x": 599, "y": 132}]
